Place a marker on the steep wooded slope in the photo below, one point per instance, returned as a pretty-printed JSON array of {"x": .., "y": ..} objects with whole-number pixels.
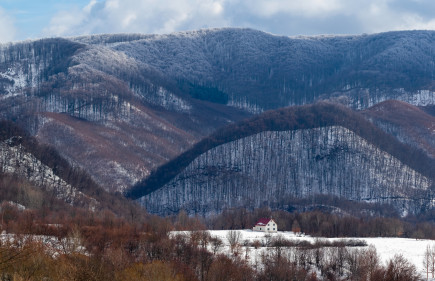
[
  {"x": 38, "y": 176},
  {"x": 430, "y": 109},
  {"x": 293, "y": 152}
]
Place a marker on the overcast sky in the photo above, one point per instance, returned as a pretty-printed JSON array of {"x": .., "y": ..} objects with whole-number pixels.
[{"x": 30, "y": 19}]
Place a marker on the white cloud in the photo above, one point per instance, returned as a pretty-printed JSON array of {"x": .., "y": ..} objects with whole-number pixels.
[
  {"x": 7, "y": 28},
  {"x": 88, "y": 8},
  {"x": 148, "y": 16},
  {"x": 413, "y": 21},
  {"x": 288, "y": 17},
  {"x": 379, "y": 16},
  {"x": 308, "y": 8}
]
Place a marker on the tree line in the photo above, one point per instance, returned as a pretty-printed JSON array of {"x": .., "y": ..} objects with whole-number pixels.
[{"x": 321, "y": 223}]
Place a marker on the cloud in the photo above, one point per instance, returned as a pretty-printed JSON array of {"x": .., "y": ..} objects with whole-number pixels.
[
  {"x": 343, "y": 16},
  {"x": 385, "y": 15},
  {"x": 7, "y": 28},
  {"x": 148, "y": 16},
  {"x": 308, "y": 8},
  {"x": 289, "y": 17}
]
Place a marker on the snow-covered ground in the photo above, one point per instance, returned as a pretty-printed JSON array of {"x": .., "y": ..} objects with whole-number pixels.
[{"x": 412, "y": 249}]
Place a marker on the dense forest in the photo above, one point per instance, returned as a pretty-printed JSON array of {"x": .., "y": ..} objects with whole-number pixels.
[
  {"x": 407, "y": 123},
  {"x": 260, "y": 71},
  {"x": 104, "y": 112}
]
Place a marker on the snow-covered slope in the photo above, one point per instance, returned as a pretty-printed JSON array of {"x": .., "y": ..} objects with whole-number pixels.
[
  {"x": 262, "y": 71},
  {"x": 37, "y": 177},
  {"x": 270, "y": 167},
  {"x": 103, "y": 110}
]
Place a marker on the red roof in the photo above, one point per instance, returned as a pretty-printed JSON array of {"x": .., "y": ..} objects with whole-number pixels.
[{"x": 263, "y": 221}]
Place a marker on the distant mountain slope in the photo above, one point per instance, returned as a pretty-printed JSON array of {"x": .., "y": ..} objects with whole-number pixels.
[
  {"x": 147, "y": 98},
  {"x": 260, "y": 71},
  {"x": 293, "y": 152},
  {"x": 407, "y": 123}
]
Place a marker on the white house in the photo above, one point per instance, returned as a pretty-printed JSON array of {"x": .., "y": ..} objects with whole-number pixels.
[{"x": 266, "y": 225}]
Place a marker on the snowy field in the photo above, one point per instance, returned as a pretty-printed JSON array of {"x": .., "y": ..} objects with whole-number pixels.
[{"x": 412, "y": 249}]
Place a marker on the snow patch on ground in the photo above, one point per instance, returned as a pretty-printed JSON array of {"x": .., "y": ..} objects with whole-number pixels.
[{"x": 17, "y": 82}]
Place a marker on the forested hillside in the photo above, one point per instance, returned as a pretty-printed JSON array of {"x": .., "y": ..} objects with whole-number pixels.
[
  {"x": 332, "y": 136},
  {"x": 84, "y": 101},
  {"x": 292, "y": 153}
]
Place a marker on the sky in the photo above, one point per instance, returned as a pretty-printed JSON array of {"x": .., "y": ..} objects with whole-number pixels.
[{"x": 32, "y": 19}]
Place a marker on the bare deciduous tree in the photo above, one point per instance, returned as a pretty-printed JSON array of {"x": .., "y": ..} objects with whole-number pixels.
[
  {"x": 401, "y": 269},
  {"x": 216, "y": 244},
  {"x": 429, "y": 261},
  {"x": 234, "y": 237}
]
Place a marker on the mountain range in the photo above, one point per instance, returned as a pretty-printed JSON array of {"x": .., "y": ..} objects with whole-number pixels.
[{"x": 125, "y": 107}]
